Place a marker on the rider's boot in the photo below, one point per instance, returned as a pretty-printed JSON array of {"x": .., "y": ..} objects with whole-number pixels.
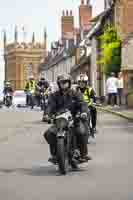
[
  {"x": 84, "y": 153},
  {"x": 53, "y": 158}
]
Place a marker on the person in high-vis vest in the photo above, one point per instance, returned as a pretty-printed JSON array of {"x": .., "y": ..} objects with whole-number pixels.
[
  {"x": 30, "y": 88},
  {"x": 90, "y": 98}
]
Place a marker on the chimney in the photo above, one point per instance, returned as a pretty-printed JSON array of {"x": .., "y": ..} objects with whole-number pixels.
[
  {"x": 85, "y": 15},
  {"x": 82, "y": 2},
  {"x": 4, "y": 39},
  {"x": 67, "y": 25},
  {"x": 16, "y": 34},
  {"x": 33, "y": 38},
  {"x": 88, "y": 2},
  {"x": 67, "y": 13}
]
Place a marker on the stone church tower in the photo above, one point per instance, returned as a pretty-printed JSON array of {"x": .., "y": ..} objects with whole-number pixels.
[{"x": 23, "y": 59}]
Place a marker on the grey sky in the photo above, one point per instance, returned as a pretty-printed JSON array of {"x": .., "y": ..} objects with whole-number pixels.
[{"x": 35, "y": 15}]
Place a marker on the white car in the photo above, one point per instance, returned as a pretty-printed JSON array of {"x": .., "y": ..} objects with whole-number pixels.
[
  {"x": 19, "y": 98},
  {"x": 1, "y": 98}
]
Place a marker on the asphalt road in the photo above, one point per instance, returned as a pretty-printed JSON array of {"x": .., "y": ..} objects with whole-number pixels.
[{"x": 25, "y": 173}]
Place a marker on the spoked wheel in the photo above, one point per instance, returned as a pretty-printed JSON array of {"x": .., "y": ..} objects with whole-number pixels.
[
  {"x": 42, "y": 106},
  {"x": 8, "y": 102},
  {"x": 62, "y": 156},
  {"x": 74, "y": 165}
]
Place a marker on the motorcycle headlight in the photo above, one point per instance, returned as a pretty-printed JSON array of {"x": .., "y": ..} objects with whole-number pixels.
[
  {"x": 61, "y": 123},
  {"x": 84, "y": 115}
]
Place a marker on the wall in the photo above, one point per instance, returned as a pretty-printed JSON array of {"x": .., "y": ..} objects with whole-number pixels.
[
  {"x": 19, "y": 57},
  {"x": 94, "y": 65},
  {"x": 63, "y": 66},
  {"x": 124, "y": 16},
  {"x": 2, "y": 70},
  {"x": 127, "y": 64}
]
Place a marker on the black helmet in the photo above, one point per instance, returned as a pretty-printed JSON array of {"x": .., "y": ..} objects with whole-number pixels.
[
  {"x": 63, "y": 79},
  {"x": 82, "y": 80}
]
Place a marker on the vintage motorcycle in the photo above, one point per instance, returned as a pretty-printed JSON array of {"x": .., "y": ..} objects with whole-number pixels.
[
  {"x": 8, "y": 99},
  {"x": 67, "y": 153}
]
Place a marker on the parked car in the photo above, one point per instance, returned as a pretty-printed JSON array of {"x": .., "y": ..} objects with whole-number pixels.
[
  {"x": 1, "y": 98},
  {"x": 19, "y": 98}
]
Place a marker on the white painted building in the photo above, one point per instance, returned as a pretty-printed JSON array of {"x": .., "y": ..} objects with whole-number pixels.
[
  {"x": 2, "y": 70},
  {"x": 62, "y": 63}
]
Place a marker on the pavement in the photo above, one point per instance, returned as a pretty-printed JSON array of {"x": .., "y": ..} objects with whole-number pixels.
[
  {"x": 121, "y": 111},
  {"x": 25, "y": 173}
]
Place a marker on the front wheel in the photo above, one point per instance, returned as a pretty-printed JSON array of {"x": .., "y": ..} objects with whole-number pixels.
[
  {"x": 62, "y": 156},
  {"x": 8, "y": 102}
]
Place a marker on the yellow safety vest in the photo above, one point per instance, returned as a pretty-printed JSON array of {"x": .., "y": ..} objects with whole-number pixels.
[
  {"x": 32, "y": 85},
  {"x": 87, "y": 96}
]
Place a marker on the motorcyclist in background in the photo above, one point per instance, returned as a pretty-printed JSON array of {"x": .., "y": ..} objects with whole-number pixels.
[
  {"x": 41, "y": 86},
  {"x": 66, "y": 98},
  {"x": 8, "y": 89},
  {"x": 30, "y": 89},
  {"x": 90, "y": 98}
]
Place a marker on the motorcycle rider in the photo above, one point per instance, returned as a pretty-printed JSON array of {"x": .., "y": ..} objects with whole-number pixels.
[
  {"x": 30, "y": 88},
  {"x": 66, "y": 98},
  {"x": 89, "y": 97},
  {"x": 41, "y": 86},
  {"x": 8, "y": 89}
]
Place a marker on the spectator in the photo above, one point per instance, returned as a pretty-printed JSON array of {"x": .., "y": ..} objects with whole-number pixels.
[
  {"x": 112, "y": 89},
  {"x": 120, "y": 87}
]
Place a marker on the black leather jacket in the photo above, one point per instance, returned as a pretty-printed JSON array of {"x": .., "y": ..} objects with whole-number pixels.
[
  {"x": 72, "y": 101},
  {"x": 41, "y": 86}
]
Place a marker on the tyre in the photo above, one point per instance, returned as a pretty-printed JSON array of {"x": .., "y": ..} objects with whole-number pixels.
[
  {"x": 8, "y": 102},
  {"x": 42, "y": 106},
  {"x": 74, "y": 165},
  {"x": 62, "y": 156}
]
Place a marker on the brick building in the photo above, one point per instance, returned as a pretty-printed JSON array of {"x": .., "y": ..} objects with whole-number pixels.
[
  {"x": 123, "y": 10},
  {"x": 69, "y": 31},
  {"x": 22, "y": 60},
  {"x": 124, "y": 16},
  {"x": 71, "y": 37}
]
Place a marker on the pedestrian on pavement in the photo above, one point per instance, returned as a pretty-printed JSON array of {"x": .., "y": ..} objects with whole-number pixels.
[
  {"x": 120, "y": 87},
  {"x": 112, "y": 89}
]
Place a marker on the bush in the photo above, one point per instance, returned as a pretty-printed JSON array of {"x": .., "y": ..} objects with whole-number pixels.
[{"x": 111, "y": 51}]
